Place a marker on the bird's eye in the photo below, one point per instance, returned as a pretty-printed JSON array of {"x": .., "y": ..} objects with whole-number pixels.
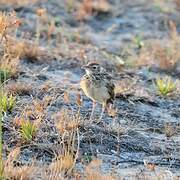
[{"x": 94, "y": 67}]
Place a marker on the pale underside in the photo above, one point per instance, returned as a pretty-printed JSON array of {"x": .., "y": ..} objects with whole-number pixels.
[{"x": 97, "y": 91}]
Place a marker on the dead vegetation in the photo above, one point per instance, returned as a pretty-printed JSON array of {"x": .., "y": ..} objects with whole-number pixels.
[
  {"x": 18, "y": 3},
  {"x": 66, "y": 122},
  {"x": 9, "y": 171},
  {"x": 93, "y": 172},
  {"x": 19, "y": 88},
  {"x": 29, "y": 123},
  {"x": 89, "y": 8},
  {"x": 9, "y": 58},
  {"x": 162, "y": 53}
]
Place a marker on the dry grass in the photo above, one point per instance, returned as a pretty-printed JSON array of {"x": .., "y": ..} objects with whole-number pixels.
[
  {"x": 9, "y": 56},
  {"x": 67, "y": 154},
  {"x": 18, "y": 172},
  {"x": 10, "y": 61},
  {"x": 10, "y": 65},
  {"x": 34, "y": 113},
  {"x": 163, "y": 54},
  {"x": 45, "y": 25},
  {"x": 30, "y": 50},
  {"x": 19, "y": 88},
  {"x": 56, "y": 170},
  {"x": 66, "y": 121},
  {"x": 92, "y": 171},
  {"x": 13, "y": 49},
  {"x": 21, "y": 48},
  {"x": 17, "y": 49},
  {"x": 18, "y": 2},
  {"x": 67, "y": 126},
  {"x": 61, "y": 165},
  {"x": 90, "y": 7},
  {"x": 8, "y": 23}
]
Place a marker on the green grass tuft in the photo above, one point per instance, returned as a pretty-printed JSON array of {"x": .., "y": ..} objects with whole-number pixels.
[
  {"x": 28, "y": 130},
  {"x": 7, "y": 102},
  {"x": 138, "y": 41},
  {"x": 165, "y": 85},
  {"x": 4, "y": 75}
]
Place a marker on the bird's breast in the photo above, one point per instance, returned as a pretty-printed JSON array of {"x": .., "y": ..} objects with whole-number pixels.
[
  {"x": 94, "y": 91},
  {"x": 86, "y": 86}
]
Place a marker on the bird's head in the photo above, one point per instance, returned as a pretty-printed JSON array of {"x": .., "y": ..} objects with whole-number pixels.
[{"x": 93, "y": 68}]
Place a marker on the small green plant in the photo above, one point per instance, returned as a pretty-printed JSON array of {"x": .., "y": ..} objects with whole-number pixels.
[
  {"x": 4, "y": 75},
  {"x": 165, "y": 85},
  {"x": 138, "y": 41},
  {"x": 7, "y": 102},
  {"x": 158, "y": 8},
  {"x": 28, "y": 130}
]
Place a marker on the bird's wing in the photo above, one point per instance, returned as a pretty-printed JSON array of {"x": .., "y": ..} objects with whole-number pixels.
[{"x": 110, "y": 86}]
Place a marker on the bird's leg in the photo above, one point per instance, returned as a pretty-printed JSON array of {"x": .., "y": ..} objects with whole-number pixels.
[
  {"x": 93, "y": 109},
  {"x": 103, "y": 109},
  {"x": 110, "y": 107}
]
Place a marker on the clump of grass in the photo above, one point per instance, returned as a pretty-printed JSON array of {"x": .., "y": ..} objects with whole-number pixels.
[
  {"x": 27, "y": 49},
  {"x": 9, "y": 171},
  {"x": 4, "y": 75},
  {"x": 9, "y": 61},
  {"x": 10, "y": 53},
  {"x": 65, "y": 161},
  {"x": 7, "y": 102},
  {"x": 163, "y": 53},
  {"x": 8, "y": 67},
  {"x": 8, "y": 24},
  {"x": 67, "y": 125},
  {"x": 30, "y": 120},
  {"x": 61, "y": 164},
  {"x": 165, "y": 85},
  {"x": 7, "y": 164},
  {"x": 28, "y": 130}
]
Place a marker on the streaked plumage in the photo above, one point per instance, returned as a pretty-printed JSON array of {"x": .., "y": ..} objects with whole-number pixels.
[{"x": 97, "y": 85}]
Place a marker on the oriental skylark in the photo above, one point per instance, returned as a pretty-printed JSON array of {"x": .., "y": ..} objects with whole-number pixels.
[{"x": 98, "y": 86}]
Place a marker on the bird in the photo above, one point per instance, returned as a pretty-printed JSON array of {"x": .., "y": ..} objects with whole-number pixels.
[{"x": 98, "y": 86}]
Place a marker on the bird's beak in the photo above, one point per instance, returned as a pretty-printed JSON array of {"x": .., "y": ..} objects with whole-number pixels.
[{"x": 85, "y": 67}]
